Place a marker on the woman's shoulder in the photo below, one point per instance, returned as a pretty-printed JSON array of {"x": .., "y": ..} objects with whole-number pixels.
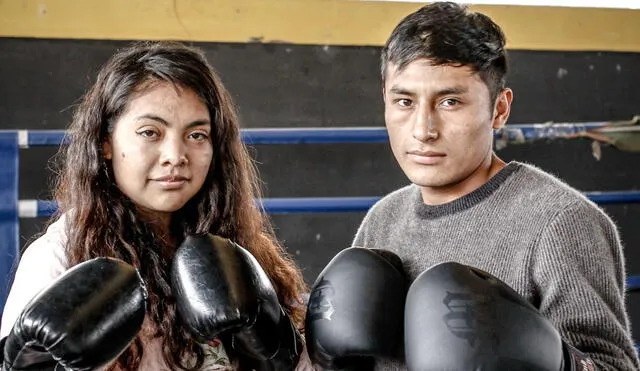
[
  {"x": 49, "y": 248},
  {"x": 40, "y": 264}
]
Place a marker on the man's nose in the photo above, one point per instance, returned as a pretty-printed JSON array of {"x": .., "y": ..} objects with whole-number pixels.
[{"x": 424, "y": 125}]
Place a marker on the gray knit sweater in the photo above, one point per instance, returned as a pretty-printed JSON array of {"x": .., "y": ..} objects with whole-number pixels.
[{"x": 541, "y": 237}]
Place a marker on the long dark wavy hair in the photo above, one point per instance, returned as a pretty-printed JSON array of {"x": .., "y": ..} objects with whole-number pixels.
[{"x": 102, "y": 221}]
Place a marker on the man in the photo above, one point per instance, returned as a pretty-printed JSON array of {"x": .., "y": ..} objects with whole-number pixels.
[{"x": 443, "y": 70}]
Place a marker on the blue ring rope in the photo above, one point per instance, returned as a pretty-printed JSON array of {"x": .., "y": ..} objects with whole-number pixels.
[
  {"x": 511, "y": 133},
  {"x": 633, "y": 283},
  {"x": 46, "y": 208}
]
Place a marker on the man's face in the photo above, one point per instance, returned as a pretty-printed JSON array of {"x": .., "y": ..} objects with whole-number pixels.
[{"x": 440, "y": 121}]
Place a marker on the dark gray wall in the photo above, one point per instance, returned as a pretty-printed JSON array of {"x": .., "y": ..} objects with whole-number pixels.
[{"x": 278, "y": 85}]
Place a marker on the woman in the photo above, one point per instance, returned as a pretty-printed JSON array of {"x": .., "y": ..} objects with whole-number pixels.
[{"x": 155, "y": 155}]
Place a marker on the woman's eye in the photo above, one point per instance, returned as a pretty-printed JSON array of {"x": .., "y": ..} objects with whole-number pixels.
[
  {"x": 147, "y": 133},
  {"x": 199, "y": 136}
]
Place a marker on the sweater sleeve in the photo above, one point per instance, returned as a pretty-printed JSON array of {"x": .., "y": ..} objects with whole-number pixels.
[
  {"x": 579, "y": 272},
  {"x": 361, "y": 234},
  {"x": 39, "y": 265},
  {"x": 372, "y": 226}
]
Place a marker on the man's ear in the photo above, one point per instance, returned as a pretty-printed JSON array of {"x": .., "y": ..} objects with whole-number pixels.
[
  {"x": 502, "y": 108},
  {"x": 107, "y": 151}
]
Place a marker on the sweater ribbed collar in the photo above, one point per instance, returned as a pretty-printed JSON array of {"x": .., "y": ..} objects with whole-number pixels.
[{"x": 467, "y": 201}]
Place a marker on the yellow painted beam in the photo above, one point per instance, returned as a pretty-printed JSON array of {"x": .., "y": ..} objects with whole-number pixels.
[{"x": 320, "y": 22}]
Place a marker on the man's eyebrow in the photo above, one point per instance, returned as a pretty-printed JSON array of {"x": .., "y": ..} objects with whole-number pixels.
[
  {"x": 401, "y": 91},
  {"x": 452, "y": 90},
  {"x": 445, "y": 91}
]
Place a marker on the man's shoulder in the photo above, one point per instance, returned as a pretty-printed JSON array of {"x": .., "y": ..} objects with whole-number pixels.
[
  {"x": 549, "y": 191},
  {"x": 548, "y": 187},
  {"x": 384, "y": 215},
  {"x": 397, "y": 200},
  {"x": 389, "y": 208}
]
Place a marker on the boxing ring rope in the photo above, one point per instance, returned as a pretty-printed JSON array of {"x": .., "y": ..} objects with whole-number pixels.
[
  {"x": 12, "y": 208},
  {"x": 513, "y": 133},
  {"x": 45, "y": 208}
]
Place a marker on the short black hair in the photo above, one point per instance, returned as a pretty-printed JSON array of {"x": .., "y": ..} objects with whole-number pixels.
[{"x": 447, "y": 33}]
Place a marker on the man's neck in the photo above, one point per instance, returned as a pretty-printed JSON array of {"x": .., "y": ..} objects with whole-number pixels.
[{"x": 442, "y": 195}]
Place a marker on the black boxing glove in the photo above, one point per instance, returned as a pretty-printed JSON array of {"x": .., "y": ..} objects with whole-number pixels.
[
  {"x": 221, "y": 290},
  {"x": 83, "y": 321},
  {"x": 355, "y": 310},
  {"x": 575, "y": 360},
  {"x": 461, "y": 318}
]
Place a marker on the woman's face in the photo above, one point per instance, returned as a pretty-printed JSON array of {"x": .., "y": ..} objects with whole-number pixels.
[{"x": 160, "y": 148}]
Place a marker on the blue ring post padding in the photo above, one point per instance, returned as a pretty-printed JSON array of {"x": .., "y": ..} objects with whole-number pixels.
[
  {"x": 9, "y": 222},
  {"x": 377, "y": 134},
  {"x": 358, "y": 204}
]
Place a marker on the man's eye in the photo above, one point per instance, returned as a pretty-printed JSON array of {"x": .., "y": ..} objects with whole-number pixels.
[
  {"x": 450, "y": 102},
  {"x": 404, "y": 102}
]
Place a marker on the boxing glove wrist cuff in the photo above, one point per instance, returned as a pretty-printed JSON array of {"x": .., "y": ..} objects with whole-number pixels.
[
  {"x": 286, "y": 356},
  {"x": 2, "y": 342},
  {"x": 575, "y": 360}
]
